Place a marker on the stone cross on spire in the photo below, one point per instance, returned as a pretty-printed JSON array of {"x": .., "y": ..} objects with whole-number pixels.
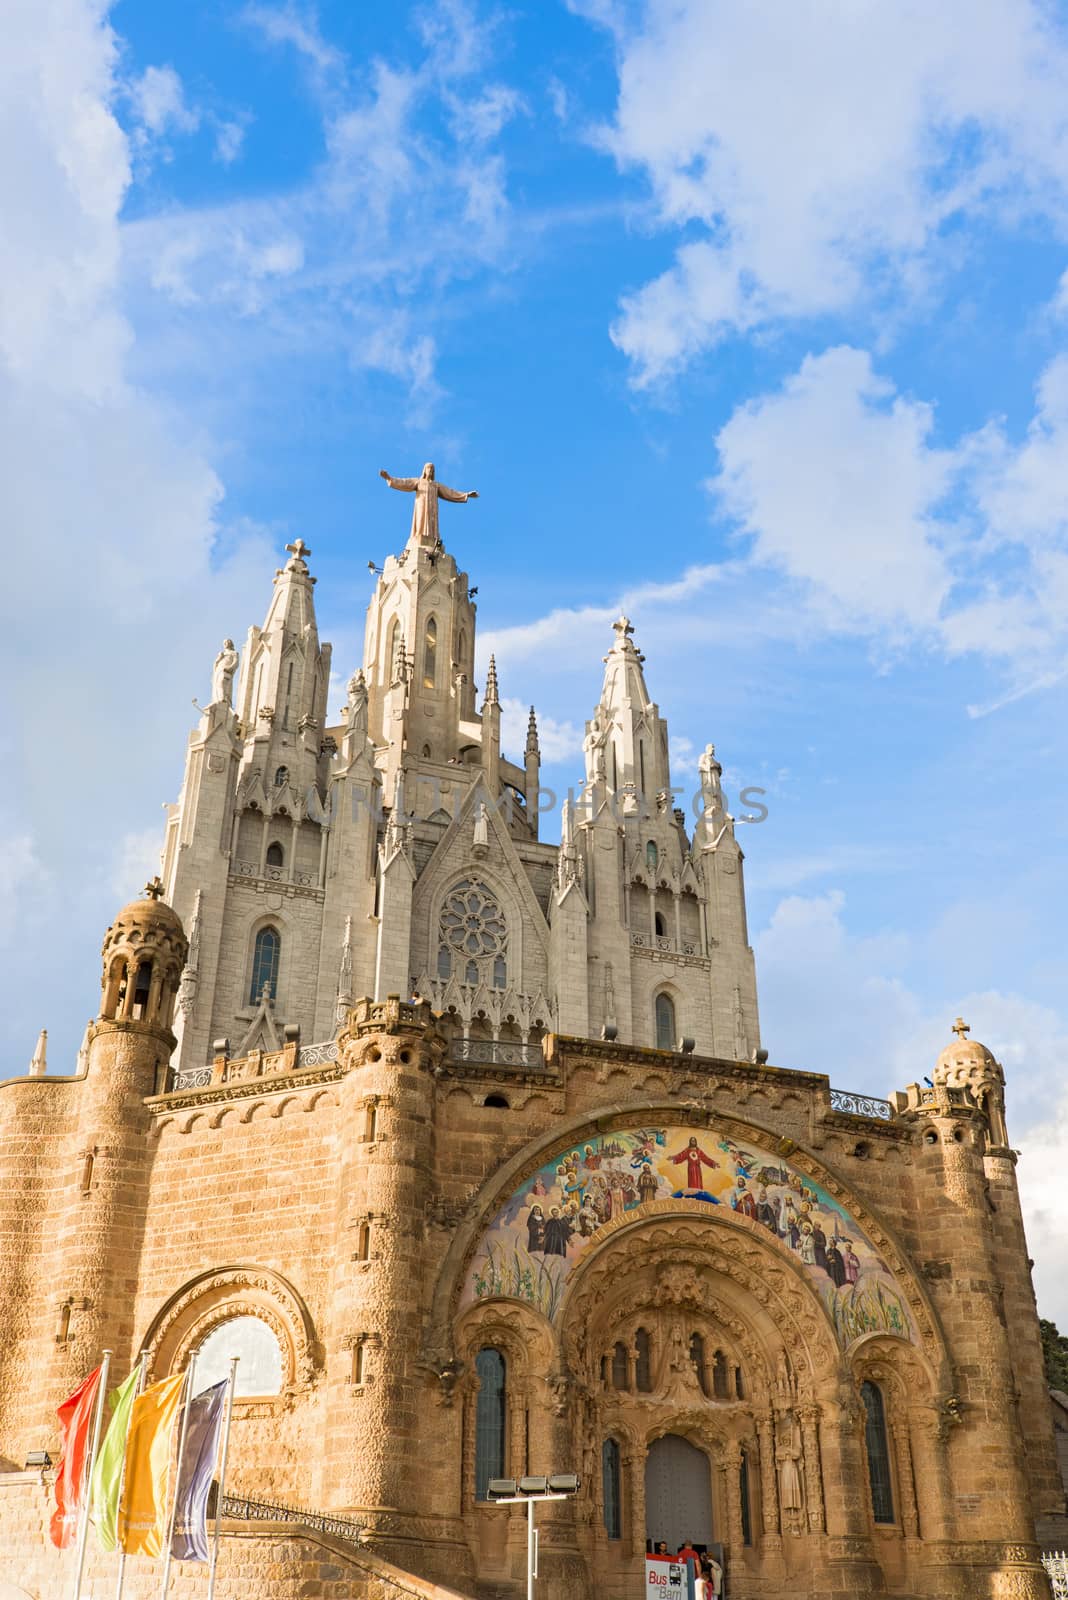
[
  {"x": 624, "y": 628},
  {"x": 299, "y": 550},
  {"x": 154, "y": 888},
  {"x": 961, "y": 1028}
]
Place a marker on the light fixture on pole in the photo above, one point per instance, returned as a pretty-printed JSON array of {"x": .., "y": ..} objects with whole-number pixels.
[{"x": 528, "y": 1491}]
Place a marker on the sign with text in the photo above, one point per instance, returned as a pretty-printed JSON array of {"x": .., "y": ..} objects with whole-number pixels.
[{"x": 666, "y": 1579}]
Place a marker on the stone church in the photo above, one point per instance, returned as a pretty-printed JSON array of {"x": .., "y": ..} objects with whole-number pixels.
[{"x": 465, "y": 1141}]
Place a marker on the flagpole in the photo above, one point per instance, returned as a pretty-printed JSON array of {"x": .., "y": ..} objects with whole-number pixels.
[
  {"x": 222, "y": 1473},
  {"x": 188, "y": 1393},
  {"x": 143, "y": 1359},
  {"x": 83, "y": 1520}
]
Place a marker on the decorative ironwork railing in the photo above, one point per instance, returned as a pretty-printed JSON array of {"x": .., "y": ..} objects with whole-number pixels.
[
  {"x": 317, "y": 1055},
  {"x": 239, "y": 1509},
  {"x": 661, "y": 943},
  {"x": 190, "y": 1078},
  {"x": 497, "y": 1053},
  {"x": 860, "y": 1105},
  {"x": 312, "y": 1055},
  {"x": 1056, "y": 1565}
]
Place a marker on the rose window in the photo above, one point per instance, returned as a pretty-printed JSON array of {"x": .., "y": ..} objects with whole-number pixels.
[{"x": 473, "y": 937}]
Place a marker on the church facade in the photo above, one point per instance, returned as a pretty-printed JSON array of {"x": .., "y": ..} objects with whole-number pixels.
[{"x": 466, "y": 1142}]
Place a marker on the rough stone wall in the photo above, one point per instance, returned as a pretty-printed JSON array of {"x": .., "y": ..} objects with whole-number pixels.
[
  {"x": 273, "y": 1561},
  {"x": 256, "y": 1194}
]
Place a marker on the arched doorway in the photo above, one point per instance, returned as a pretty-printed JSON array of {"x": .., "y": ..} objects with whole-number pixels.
[{"x": 678, "y": 1493}]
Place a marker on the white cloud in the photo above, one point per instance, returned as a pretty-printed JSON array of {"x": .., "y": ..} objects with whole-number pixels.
[
  {"x": 821, "y": 150},
  {"x": 229, "y": 139},
  {"x": 836, "y": 480},
  {"x": 21, "y": 876},
  {"x": 158, "y": 102},
  {"x": 886, "y": 1036},
  {"x": 410, "y": 197},
  {"x": 558, "y": 741},
  {"x": 112, "y": 502}
]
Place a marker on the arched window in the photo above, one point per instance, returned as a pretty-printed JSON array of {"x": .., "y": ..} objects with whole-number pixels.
[
  {"x": 697, "y": 1356},
  {"x": 652, "y": 856},
  {"x": 265, "y": 965},
  {"x": 289, "y": 695},
  {"x": 275, "y": 854},
  {"x": 259, "y": 1370},
  {"x": 430, "y": 654},
  {"x": 461, "y": 648},
  {"x": 281, "y": 777},
  {"x": 390, "y": 663},
  {"x": 142, "y": 988},
  {"x": 882, "y": 1499},
  {"x": 610, "y": 1496},
  {"x": 498, "y": 1102},
  {"x": 620, "y": 1374},
  {"x": 473, "y": 936},
  {"x": 659, "y": 926},
  {"x": 665, "y": 1022},
  {"x": 363, "y": 1242},
  {"x": 489, "y": 1419},
  {"x": 643, "y": 1367},
  {"x": 743, "y": 1495},
  {"x": 720, "y": 1386},
  {"x": 426, "y": 752}
]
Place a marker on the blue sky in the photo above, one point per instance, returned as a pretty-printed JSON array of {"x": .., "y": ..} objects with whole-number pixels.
[{"x": 753, "y": 320}]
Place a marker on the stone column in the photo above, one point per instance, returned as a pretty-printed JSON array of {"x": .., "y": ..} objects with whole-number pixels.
[
  {"x": 810, "y": 1443},
  {"x": 731, "y": 1465},
  {"x": 769, "y": 1484},
  {"x": 906, "y": 1487},
  {"x": 634, "y": 1490}
]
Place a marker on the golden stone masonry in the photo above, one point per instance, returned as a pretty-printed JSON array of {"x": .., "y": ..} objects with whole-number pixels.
[{"x": 538, "y": 1204}]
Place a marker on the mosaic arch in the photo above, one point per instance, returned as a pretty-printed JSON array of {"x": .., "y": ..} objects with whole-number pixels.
[{"x": 530, "y": 1247}]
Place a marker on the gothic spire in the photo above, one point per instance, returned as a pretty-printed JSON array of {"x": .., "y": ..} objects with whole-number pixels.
[
  {"x": 533, "y": 747},
  {"x": 492, "y": 694}
]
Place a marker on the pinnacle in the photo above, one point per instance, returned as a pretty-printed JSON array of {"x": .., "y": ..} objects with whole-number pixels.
[{"x": 492, "y": 696}]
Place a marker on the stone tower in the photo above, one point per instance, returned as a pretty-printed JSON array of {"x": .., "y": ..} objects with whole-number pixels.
[
  {"x": 315, "y": 860},
  {"x": 74, "y": 1219}
]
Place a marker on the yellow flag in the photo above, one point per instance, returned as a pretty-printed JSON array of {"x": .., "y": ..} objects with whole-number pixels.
[{"x": 143, "y": 1508}]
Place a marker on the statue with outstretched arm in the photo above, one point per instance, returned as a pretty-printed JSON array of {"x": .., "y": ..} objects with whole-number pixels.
[{"x": 428, "y": 491}]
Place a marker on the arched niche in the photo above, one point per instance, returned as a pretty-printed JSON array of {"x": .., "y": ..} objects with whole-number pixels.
[
  {"x": 515, "y": 1183},
  {"x": 225, "y": 1295}
]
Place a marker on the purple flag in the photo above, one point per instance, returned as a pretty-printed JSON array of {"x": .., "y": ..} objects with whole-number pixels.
[{"x": 190, "y": 1542}]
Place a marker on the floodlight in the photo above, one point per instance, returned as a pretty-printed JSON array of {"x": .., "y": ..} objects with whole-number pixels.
[
  {"x": 500, "y": 1488},
  {"x": 38, "y": 1458},
  {"x": 564, "y": 1483},
  {"x": 533, "y": 1486}
]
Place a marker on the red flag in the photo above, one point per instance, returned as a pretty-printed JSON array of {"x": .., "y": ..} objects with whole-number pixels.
[{"x": 76, "y": 1422}]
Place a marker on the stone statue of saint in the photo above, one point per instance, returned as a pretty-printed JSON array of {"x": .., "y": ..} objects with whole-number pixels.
[
  {"x": 222, "y": 678},
  {"x": 356, "y": 710},
  {"x": 428, "y": 491},
  {"x": 594, "y": 747},
  {"x": 788, "y": 1459}
]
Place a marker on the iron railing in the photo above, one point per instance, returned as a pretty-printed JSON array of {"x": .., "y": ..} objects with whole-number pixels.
[
  {"x": 861, "y": 1105},
  {"x": 240, "y": 1509},
  {"x": 497, "y": 1053}
]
